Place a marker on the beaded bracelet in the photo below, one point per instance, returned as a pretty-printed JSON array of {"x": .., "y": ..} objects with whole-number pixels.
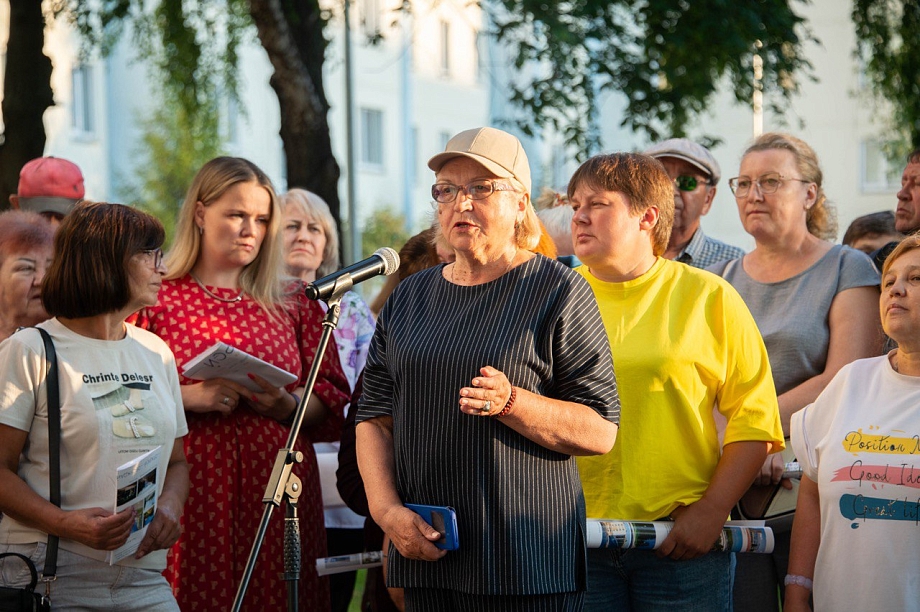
[
  {"x": 801, "y": 581},
  {"x": 509, "y": 405}
]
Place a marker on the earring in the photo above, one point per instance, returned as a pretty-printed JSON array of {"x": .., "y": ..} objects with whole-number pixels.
[{"x": 200, "y": 231}]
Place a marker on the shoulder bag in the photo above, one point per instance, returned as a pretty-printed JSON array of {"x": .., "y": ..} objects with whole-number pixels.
[
  {"x": 25, "y": 599},
  {"x": 773, "y": 504}
]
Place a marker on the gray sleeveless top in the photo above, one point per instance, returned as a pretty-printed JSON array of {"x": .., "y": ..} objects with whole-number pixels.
[{"x": 793, "y": 314}]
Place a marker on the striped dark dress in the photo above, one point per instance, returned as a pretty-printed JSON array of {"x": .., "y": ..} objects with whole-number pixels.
[{"x": 520, "y": 509}]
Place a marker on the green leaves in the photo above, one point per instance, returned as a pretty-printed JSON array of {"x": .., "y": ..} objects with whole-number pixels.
[
  {"x": 191, "y": 46},
  {"x": 888, "y": 32},
  {"x": 174, "y": 145},
  {"x": 667, "y": 57}
]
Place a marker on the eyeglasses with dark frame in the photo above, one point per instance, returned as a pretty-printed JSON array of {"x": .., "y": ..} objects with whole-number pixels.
[
  {"x": 685, "y": 182},
  {"x": 445, "y": 193},
  {"x": 768, "y": 183},
  {"x": 153, "y": 256}
]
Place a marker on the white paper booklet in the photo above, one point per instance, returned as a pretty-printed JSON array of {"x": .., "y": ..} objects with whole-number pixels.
[
  {"x": 349, "y": 563},
  {"x": 225, "y": 361},
  {"x": 138, "y": 483}
]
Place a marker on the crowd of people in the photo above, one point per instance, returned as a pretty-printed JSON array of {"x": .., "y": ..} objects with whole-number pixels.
[{"x": 588, "y": 354}]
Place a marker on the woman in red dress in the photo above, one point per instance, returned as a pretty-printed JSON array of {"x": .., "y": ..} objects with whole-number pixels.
[{"x": 224, "y": 285}]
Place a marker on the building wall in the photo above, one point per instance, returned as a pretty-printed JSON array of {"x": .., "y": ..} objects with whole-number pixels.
[
  {"x": 403, "y": 77},
  {"x": 424, "y": 98}
]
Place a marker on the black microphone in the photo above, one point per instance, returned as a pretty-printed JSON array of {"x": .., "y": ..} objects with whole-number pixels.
[{"x": 384, "y": 261}]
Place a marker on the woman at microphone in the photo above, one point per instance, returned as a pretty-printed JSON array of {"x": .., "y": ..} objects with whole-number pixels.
[
  {"x": 225, "y": 284},
  {"x": 484, "y": 377}
]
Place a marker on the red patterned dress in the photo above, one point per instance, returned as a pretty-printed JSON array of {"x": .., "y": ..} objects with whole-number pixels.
[{"x": 231, "y": 456}]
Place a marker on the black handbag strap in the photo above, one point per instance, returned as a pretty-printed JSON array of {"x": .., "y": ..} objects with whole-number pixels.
[
  {"x": 54, "y": 448},
  {"x": 34, "y": 575}
]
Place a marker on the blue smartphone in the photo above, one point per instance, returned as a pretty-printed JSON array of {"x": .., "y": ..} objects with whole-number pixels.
[{"x": 444, "y": 521}]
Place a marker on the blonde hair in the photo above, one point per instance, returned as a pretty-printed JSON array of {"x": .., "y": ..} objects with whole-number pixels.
[
  {"x": 316, "y": 209},
  {"x": 262, "y": 279},
  {"x": 527, "y": 233},
  {"x": 549, "y": 199},
  {"x": 821, "y": 218}
]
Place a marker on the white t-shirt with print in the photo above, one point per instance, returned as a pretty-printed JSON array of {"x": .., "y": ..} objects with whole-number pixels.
[
  {"x": 119, "y": 399},
  {"x": 860, "y": 442}
]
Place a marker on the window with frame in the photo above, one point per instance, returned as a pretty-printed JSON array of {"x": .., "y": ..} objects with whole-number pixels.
[
  {"x": 372, "y": 137},
  {"x": 480, "y": 49},
  {"x": 445, "y": 48},
  {"x": 82, "y": 107},
  {"x": 876, "y": 173},
  {"x": 371, "y": 18}
]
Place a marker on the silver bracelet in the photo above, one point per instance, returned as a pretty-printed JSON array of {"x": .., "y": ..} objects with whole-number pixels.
[{"x": 801, "y": 581}]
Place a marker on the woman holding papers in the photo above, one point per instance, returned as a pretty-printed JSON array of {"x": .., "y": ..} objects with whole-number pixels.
[
  {"x": 856, "y": 535},
  {"x": 686, "y": 350},
  {"x": 484, "y": 378},
  {"x": 225, "y": 285},
  {"x": 120, "y": 399}
]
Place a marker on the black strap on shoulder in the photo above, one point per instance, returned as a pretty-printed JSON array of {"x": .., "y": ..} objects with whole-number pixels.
[{"x": 54, "y": 448}]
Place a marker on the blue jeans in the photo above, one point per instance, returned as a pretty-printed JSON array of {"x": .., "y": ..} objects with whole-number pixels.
[{"x": 639, "y": 581}]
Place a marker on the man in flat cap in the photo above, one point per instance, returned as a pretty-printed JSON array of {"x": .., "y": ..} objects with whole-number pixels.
[
  {"x": 695, "y": 173},
  {"x": 50, "y": 186}
]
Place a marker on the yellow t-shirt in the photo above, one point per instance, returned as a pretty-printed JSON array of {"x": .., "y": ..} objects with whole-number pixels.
[{"x": 684, "y": 344}]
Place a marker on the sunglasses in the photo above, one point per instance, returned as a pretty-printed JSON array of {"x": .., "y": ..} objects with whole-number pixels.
[{"x": 689, "y": 183}]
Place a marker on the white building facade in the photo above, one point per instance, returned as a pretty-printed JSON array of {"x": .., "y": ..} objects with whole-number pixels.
[{"x": 435, "y": 73}]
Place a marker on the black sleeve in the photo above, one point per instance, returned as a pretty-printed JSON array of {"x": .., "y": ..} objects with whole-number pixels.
[{"x": 347, "y": 477}]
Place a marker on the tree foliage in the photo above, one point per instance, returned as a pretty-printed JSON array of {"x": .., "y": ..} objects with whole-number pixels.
[
  {"x": 888, "y": 32},
  {"x": 668, "y": 57},
  {"x": 383, "y": 227},
  {"x": 174, "y": 145},
  {"x": 194, "y": 47}
]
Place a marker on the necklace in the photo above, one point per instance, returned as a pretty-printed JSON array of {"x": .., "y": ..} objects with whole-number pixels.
[{"x": 232, "y": 300}]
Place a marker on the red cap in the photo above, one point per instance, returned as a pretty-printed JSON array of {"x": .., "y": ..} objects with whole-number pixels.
[{"x": 50, "y": 184}]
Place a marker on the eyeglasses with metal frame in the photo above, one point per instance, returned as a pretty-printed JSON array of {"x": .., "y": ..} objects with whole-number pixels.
[
  {"x": 768, "y": 183},
  {"x": 445, "y": 193}
]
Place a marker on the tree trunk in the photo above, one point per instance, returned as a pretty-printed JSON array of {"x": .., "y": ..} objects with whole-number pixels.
[
  {"x": 291, "y": 31},
  {"x": 26, "y": 94}
]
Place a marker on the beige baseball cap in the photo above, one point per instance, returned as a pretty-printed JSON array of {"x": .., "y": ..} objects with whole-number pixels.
[{"x": 498, "y": 151}]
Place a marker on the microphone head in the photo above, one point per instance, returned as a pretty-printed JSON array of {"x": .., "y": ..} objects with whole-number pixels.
[{"x": 390, "y": 260}]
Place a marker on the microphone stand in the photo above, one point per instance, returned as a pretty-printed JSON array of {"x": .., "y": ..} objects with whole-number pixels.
[{"x": 283, "y": 484}]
